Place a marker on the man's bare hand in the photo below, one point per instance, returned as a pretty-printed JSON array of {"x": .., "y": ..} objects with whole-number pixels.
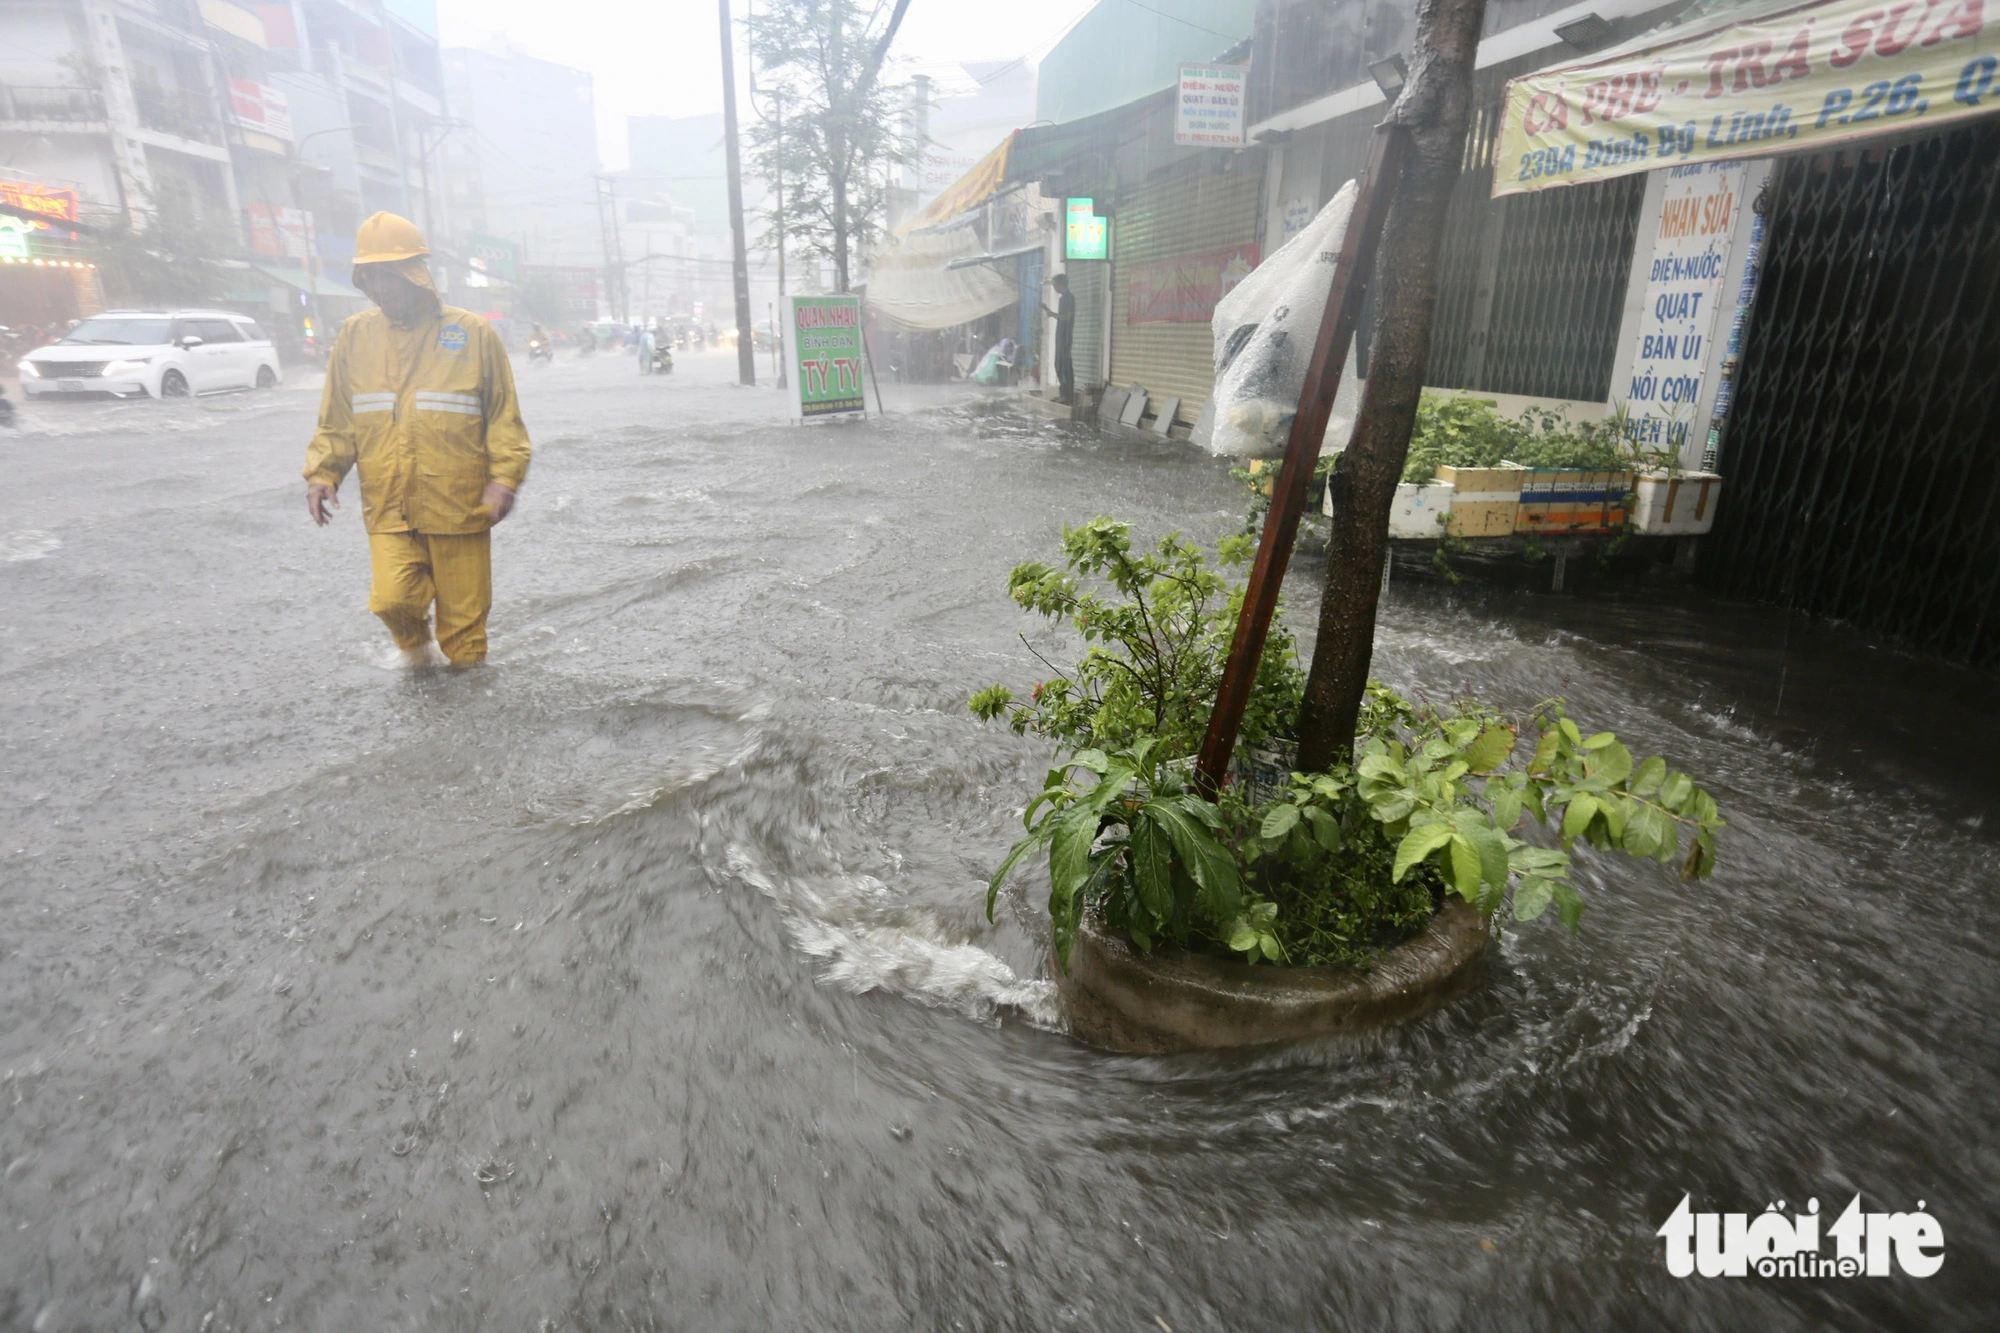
[
  {"x": 497, "y": 501},
  {"x": 318, "y": 497}
]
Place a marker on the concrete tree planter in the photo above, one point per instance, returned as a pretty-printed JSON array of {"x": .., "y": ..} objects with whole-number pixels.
[{"x": 1160, "y": 1003}]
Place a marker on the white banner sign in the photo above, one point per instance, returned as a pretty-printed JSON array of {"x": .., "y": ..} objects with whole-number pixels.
[
  {"x": 1686, "y": 279},
  {"x": 1209, "y": 113}
]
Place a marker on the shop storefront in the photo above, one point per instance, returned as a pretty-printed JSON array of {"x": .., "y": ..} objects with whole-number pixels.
[{"x": 47, "y": 275}]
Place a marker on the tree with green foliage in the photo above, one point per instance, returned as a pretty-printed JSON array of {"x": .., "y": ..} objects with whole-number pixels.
[
  {"x": 842, "y": 131},
  {"x": 172, "y": 261}
]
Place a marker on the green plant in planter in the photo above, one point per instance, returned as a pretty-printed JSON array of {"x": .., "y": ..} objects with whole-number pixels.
[
  {"x": 1156, "y": 638},
  {"x": 1459, "y": 430},
  {"x": 1133, "y": 842},
  {"x": 1353, "y": 859},
  {"x": 1340, "y": 864}
]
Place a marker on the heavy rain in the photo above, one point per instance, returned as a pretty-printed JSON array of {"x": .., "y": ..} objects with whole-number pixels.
[{"x": 564, "y": 888}]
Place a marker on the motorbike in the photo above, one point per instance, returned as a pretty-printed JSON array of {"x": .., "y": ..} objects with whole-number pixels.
[
  {"x": 663, "y": 358},
  {"x": 541, "y": 349}
]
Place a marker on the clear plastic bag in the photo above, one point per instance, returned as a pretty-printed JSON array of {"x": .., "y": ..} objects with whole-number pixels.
[{"x": 1264, "y": 334}]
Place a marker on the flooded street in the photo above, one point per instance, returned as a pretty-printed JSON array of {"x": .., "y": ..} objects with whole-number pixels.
[{"x": 641, "y": 979}]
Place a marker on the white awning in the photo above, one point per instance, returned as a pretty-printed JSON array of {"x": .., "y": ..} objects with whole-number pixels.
[{"x": 913, "y": 286}]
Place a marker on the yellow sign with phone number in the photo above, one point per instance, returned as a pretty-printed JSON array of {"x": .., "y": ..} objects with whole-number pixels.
[{"x": 1810, "y": 76}]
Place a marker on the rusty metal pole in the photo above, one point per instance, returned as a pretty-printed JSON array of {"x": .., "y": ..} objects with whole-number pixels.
[{"x": 1352, "y": 270}]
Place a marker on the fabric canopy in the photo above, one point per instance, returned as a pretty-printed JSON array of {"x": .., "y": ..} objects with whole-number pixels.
[
  {"x": 911, "y": 287},
  {"x": 971, "y": 190}
]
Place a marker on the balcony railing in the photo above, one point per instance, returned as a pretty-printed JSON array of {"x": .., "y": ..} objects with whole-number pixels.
[
  {"x": 176, "y": 111},
  {"x": 72, "y": 105}
]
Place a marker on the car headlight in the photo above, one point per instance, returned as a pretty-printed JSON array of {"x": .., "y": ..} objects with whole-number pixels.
[
  {"x": 28, "y": 371},
  {"x": 127, "y": 366}
]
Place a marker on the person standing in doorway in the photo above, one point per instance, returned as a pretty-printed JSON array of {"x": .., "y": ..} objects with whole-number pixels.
[
  {"x": 419, "y": 395},
  {"x": 1065, "y": 317}
]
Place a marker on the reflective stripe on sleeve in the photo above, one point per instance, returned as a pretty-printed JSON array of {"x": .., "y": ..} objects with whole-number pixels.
[{"x": 374, "y": 402}]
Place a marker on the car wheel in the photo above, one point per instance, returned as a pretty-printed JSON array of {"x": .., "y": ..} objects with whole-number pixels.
[
  {"x": 267, "y": 378},
  {"x": 173, "y": 384}
]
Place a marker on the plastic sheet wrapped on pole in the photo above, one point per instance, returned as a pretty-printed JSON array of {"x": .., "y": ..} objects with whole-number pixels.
[
  {"x": 1340, "y": 312},
  {"x": 911, "y": 288},
  {"x": 1265, "y": 331}
]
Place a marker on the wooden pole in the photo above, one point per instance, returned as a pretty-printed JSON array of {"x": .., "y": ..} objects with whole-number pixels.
[
  {"x": 868, "y": 355},
  {"x": 1352, "y": 270}
]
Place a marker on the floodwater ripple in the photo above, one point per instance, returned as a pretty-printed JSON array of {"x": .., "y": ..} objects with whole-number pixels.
[{"x": 643, "y": 979}]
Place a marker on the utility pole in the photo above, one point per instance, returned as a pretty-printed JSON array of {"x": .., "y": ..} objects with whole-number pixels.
[
  {"x": 777, "y": 341},
  {"x": 614, "y": 247},
  {"x": 746, "y": 351}
]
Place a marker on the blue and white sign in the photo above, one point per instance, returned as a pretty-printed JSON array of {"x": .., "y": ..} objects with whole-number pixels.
[{"x": 1688, "y": 273}]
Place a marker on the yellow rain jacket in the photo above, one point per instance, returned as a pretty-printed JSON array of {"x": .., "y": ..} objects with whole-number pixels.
[{"x": 428, "y": 413}]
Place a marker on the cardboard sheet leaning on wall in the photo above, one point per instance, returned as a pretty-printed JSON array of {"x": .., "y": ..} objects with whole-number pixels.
[{"x": 1264, "y": 334}]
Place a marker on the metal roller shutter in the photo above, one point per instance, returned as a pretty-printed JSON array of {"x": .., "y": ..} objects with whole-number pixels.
[
  {"x": 1185, "y": 214},
  {"x": 1086, "y": 284}
]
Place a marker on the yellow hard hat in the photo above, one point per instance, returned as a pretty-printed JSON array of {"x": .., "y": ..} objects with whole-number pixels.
[{"x": 385, "y": 238}]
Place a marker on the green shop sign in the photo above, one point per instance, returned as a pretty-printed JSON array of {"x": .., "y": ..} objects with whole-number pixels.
[
  {"x": 1085, "y": 235},
  {"x": 827, "y": 352}
]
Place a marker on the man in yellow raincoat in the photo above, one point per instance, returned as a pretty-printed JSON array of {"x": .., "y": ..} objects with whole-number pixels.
[{"x": 420, "y": 396}]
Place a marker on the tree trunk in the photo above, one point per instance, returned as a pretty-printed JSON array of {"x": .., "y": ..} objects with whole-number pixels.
[
  {"x": 839, "y": 190},
  {"x": 1436, "y": 106}
]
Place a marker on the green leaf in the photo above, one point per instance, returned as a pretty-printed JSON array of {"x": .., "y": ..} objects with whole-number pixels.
[
  {"x": 1675, "y": 791},
  {"x": 1600, "y": 740},
  {"x": 1646, "y": 780},
  {"x": 1569, "y": 904},
  {"x": 1642, "y": 835},
  {"x": 1611, "y": 763},
  {"x": 1506, "y": 806},
  {"x": 1417, "y": 844},
  {"x": 990, "y": 702},
  {"x": 1152, "y": 866},
  {"x": 1700, "y": 858},
  {"x": 1569, "y": 730},
  {"x": 1202, "y": 855},
  {"x": 1094, "y": 760},
  {"x": 1545, "y": 751},
  {"x": 1492, "y": 848},
  {"x": 1531, "y": 899},
  {"x": 1494, "y": 747},
  {"x": 1272, "y": 949},
  {"x": 1325, "y": 828},
  {"x": 1281, "y": 819},
  {"x": 1465, "y": 867},
  {"x": 1488, "y": 901},
  {"x": 1069, "y": 851},
  {"x": 1013, "y": 858},
  {"x": 1577, "y": 816},
  {"x": 1242, "y": 936}
]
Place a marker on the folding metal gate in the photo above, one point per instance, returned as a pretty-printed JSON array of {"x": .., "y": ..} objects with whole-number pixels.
[
  {"x": 1863, "y": 477},
  {"x": 1531, "y": 287}
]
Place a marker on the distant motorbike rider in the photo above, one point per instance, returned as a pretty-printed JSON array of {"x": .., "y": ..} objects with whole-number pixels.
[{"x": 420, "y": 397}]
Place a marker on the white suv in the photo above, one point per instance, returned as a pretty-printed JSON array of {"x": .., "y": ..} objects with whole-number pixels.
[{"x": 168, "y": 354}]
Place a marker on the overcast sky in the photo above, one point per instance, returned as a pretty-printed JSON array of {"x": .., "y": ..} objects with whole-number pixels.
[{"x": 663, "y": 58}]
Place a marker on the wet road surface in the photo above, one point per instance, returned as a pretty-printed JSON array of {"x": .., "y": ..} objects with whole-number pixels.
[{"x": 640, "y": 980}]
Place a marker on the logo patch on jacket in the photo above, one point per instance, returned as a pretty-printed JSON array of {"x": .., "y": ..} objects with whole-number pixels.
[{"x": 452, "y": 337}]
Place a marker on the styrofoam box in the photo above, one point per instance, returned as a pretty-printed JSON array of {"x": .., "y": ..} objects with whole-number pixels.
[{"x": 1682, "y": 506}]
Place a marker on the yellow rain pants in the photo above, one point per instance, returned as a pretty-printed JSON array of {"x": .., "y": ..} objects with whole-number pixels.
[{"x": 413, "y": 569}]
